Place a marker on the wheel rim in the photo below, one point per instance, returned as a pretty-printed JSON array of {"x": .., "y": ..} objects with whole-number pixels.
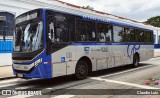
[
  {"x": 136, "y": 61},
  {"x": 81, "y": 70}
]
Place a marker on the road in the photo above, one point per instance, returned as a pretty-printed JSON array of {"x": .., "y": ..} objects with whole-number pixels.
[{"x": 111, "y": 83}]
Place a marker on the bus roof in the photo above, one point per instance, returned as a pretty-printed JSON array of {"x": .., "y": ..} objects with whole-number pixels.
[{"x": 109, "y": 21}]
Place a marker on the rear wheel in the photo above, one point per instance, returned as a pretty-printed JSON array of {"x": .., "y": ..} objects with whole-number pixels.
[
  {"x": 135, "y": 60},
  {"x": 81, "y": 71}
]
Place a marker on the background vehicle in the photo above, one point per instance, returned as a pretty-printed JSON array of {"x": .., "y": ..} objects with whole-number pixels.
[{"x": 156, "y": 41}]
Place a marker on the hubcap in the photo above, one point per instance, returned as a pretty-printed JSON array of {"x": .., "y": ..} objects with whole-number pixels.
[
  {"x": 82, "y": 69},
  {"x": 136, "y": 61}
]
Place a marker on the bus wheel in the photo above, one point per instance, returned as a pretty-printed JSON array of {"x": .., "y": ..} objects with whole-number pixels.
[
  {"x": 135, "y": 60},
  {"x": 81, "y": 71}
]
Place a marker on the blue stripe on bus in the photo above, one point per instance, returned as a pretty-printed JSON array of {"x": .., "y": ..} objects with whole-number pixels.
[
  {"x": 114, "y": 22},
  {"x": 96, "y": 44},
  {"x": 156, "y": 46}
]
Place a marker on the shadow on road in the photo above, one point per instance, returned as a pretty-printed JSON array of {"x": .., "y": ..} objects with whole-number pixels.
[{"x": 115, "y": 70}]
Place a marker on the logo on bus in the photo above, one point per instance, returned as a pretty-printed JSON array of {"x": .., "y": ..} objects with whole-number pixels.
[
  {"x": 131, "y": 49},
  {"x": 86, "y": 49}
]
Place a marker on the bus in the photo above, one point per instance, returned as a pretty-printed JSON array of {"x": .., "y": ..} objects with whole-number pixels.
[
  {"x": 156, "y": 41},
  {"x": 53, "y": 42}
]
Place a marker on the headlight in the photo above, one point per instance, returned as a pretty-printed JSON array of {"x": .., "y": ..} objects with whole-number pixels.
[{"x": 37, "y": 62}]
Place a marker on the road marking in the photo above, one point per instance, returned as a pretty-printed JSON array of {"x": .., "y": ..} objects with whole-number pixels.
[
  {"x": 124, "y": 83},
  {"x": 24, "y": 87},
  {"x": 126, "y": 71},
  {"x": 49, "y": 88},
  {"x": 10, "y": 80},
  {"x": 20, "y": 96},
  {"x": 63, "y": 96},
  {"x": 6, "y": 85}
]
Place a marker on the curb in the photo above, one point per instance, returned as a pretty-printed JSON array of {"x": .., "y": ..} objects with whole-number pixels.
[
  {"x": 9, "y": 77},
  {"x": 5, "y": 65}
]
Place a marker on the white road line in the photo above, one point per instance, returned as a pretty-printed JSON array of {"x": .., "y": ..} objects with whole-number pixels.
[
  {"x": 125, "y": 83},
  {"x": 63, "y": 96},
  {"x": 20, "y": 96},
  {"x": 49, "y": 88},
  {"x": 10, "y": 80},
  {"x": 126, "y": 71},
  {"x": 24, "y": 87},
  {"x": 6, "y": 85}
]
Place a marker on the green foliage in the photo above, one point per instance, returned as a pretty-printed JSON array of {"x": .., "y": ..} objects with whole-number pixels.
[{"x": 154, "y": 21}]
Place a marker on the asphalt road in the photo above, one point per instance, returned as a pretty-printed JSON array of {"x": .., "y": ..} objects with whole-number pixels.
[{"x": 120, "y": 82}]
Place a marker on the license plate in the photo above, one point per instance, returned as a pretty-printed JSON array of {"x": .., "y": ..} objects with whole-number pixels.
[{"x": 20, "y": 75}]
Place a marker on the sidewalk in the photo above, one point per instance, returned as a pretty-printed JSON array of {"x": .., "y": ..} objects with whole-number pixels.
[
  {"x": 6, "y": 72},
  {"x": 5, "y": 66}
]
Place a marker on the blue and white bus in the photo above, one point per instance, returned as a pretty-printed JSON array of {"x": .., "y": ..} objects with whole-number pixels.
[
  {"x": 156, "y": 41},
  {"x": 49, "y": 43}
]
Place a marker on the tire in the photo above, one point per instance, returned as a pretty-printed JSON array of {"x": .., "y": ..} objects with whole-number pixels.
[
  {"x": 135, "y": 61},
  {"x": 81, "y": 71}
]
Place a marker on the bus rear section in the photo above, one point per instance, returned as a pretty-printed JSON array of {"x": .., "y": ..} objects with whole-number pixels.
[{"x": 156, "y": 42}]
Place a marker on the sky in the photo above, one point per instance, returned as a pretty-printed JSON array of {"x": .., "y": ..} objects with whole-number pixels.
[{"x": 139, "y": 10}]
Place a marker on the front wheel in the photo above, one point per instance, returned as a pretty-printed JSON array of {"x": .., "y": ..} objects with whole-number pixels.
[
  {"x": 135, "y": 60},
  {"x": 81, "y": 71}
]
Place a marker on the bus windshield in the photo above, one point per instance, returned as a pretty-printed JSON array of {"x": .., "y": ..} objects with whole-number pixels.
[{"x": 28, "y": 37}]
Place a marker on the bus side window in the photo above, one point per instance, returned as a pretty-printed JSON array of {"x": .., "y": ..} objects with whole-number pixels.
[
  {"x": 51, "y": 34},
  {"x": 81, "y": 30},
  {"x": 139, "y": 34},
  {"x": 129, "y": 34},
  {"x": 104, "y": 32},
  {"x": 159, "y": 39},
  {"x": 154, "y": 39},
  {"x": 119, "y": 34},
  {"x": 147, "y": 36},
  {"x": 109, "y": 33},
  {"x": 91, "y": 35},
  {"x": 100, "y": 32}
]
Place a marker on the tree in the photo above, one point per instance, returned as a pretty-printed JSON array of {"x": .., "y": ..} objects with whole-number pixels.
[{"x": 154, "y": 21}]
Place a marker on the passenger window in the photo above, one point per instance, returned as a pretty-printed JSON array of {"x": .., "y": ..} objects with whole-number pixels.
[
  {"x": 139, "y": 34},
  {"x": 147, "y": 36},
  {"x": 91, "y": 34},
  {"x": 129, "y": 35},
  {"x": 58, "y": 27},
  {"x": 104, "y": 32},
  {"x": 119, "y": 34},
  {"x": 159, "y": 39},
  {"x": 81, "y": 30},
  {"x": 85, "y": 30}
]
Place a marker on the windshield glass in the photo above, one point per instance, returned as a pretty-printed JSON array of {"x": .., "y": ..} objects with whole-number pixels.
[{"x": 28, "y": 38}]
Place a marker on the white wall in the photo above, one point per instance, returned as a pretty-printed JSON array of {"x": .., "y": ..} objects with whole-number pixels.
[
  {"x": 5, "y": 59},
  {"x": 18, "y": 7}
]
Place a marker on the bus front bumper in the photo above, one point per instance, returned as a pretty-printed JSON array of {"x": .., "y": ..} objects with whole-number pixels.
[{"x": 40, "y": 71}]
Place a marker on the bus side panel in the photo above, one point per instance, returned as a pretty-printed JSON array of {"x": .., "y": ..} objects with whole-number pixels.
[
  {"x": 86, "y": 51},
  {"x": 101, "y": 56},
  {"x": 63, "y": 61},
  {"x": 146, "y": 52}
]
